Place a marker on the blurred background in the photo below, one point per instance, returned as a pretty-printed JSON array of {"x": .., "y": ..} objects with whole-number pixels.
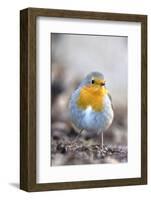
[{"x": 72, "y": 58}]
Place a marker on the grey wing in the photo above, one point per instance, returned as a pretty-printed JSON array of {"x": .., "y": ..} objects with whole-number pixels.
[{"x": 110, "y": 100}]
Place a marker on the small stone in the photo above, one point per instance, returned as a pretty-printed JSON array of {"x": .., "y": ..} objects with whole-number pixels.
[{"x": 61, "y": 148}]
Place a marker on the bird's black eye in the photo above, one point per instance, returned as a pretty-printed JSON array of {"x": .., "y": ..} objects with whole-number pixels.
[{"x": 92, "y": 81}]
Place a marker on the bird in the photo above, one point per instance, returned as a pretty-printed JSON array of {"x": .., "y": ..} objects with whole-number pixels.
[{"x": 90, "y": 106}]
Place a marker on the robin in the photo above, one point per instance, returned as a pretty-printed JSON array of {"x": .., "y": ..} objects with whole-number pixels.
[{"x": 91, "y": 107}]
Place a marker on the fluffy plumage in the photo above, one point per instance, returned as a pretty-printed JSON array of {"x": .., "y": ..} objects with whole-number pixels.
[{"x": 90, "y": 105}]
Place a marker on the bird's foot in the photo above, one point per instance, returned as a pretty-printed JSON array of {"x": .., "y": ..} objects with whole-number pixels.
[{"x": 103, "y": 150}]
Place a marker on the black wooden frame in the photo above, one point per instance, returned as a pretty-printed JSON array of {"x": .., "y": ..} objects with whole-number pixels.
[{"x": 28, "y": 98}]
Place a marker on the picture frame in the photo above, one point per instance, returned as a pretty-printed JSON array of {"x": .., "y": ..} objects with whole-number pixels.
[{"x": 28, "y": 98}]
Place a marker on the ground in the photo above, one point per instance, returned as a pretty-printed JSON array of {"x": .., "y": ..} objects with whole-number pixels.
[{"x": 70, "y": 150}]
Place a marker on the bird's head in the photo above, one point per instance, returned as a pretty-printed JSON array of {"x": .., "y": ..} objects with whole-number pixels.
[
  {"x": 94, "y": 81},
  {"x": 92, "y": 91}
]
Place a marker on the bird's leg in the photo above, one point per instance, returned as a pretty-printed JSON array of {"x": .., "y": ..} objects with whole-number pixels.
[
  {"x": 102, "y": 140},
  {"x": 78, "y": 136},
  {"x": 81, "y": 131}
]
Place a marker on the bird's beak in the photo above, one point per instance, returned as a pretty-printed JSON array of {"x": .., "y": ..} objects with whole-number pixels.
[{"x": 100, "y": 82}]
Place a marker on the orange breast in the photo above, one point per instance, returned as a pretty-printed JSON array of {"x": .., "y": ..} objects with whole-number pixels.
[{"x": 92, "y": 96}]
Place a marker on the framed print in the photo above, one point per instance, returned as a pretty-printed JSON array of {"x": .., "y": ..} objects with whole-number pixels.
[{"x": 83, "y": 99}]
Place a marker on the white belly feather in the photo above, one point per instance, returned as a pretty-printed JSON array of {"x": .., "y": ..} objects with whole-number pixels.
[{"x": 93, "y": 121}]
